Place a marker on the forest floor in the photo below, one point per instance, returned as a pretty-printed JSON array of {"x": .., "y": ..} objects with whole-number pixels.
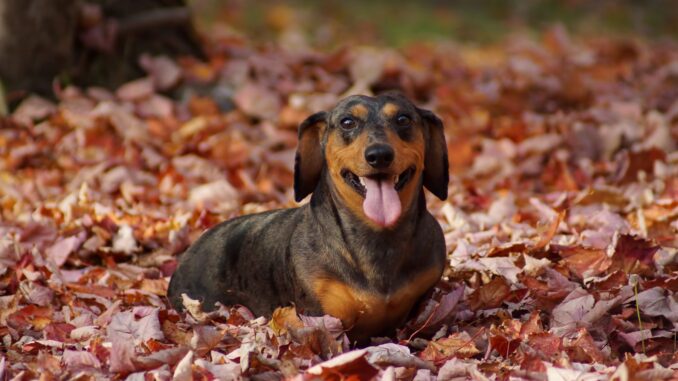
[{"x": 561, "y": 223}]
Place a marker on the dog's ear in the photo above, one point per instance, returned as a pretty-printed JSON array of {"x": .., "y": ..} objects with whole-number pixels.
[
  {"x": 309, "y": 160},
  {"x": 436, "y": 174}
]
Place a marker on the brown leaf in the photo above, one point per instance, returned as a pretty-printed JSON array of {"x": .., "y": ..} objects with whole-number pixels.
[
  {"x": 545, "y": 343},
  {"x": 598, "y": 196},
  {"x": 583, "y": 348},
  {"x": 490, "y": 295},
  {"x": 58, "y": 331},
  {"x": 532, "y": 325},
  {"x": 533, "y": 364},
  {"x": 135, "y": 90},
  {"x": 30, "y": 316},
  {"x": 584, "y": 262},
  {"x": 284, "y": 318},
  {"x": 612, "y": 281},
  {"x": 456, "y": 345},
  {"x": 634, "y": 162},
  {"x": 155, "y": 286},
  {"x": 547, "y": 234},
  {"x": 176, "y": 335}
]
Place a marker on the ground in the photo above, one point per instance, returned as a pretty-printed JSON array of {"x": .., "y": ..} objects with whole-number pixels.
[{"x": 561, "y": 223}]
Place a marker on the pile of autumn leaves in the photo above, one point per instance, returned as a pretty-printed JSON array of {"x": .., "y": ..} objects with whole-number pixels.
[{"x": 561, "y": 223}]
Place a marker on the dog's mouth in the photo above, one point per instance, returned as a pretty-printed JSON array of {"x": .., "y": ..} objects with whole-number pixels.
[
  {"x": 358, "y": 183},
  {"x": 381, "y": 204}
]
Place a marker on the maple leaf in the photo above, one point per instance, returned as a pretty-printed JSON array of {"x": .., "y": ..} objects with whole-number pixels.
[
  {"x": 456, "y": 345},
  {"x": 348, "y": 366},
  {"x": 634, "y": 162},
  {"x": 503, "y": 345},
  {"x": 205, "y": 338},
  {"x": 490, "y": 295},
  {"x": 584, "y": 349},
  {"x": 546, "y": 344},
  {"x": 634, "y": 255},
  {"x": 284, "y": 318},
  {"x": 584, "y": 262}
]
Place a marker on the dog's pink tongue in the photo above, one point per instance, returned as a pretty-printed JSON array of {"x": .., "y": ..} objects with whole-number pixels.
[{"x": 381, "y": 204}]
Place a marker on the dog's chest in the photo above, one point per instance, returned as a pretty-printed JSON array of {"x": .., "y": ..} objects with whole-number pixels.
[{"x": 364, "y": 312}]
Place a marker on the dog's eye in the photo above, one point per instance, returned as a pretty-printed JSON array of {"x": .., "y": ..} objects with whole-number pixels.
[
  {"x": 347, "y": 123},
  {"x": 403, "y": 120}
]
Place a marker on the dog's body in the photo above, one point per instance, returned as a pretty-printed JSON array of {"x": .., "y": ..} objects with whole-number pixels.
[{"x": 364, "y": 249}]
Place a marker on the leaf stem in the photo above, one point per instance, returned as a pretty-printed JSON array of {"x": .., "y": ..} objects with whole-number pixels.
[{"x": 640, "y": 321}]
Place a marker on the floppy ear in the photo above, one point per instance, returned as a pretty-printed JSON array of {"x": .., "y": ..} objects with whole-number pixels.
[
  {"x": 309, "y": 160},
  {"x": 436, "y": 174}
]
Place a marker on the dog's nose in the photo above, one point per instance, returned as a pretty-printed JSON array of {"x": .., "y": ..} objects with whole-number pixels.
[{"x": 379, "y": 155}]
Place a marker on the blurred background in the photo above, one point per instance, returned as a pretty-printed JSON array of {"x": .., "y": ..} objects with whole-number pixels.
[
  {"x": 230, "y": 81},
  {"x": 393, "y": 23},
  {"x": 98, "y": 42}
]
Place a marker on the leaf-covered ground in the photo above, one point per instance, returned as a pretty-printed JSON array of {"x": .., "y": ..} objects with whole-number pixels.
[{"x": 561, "y": 223}]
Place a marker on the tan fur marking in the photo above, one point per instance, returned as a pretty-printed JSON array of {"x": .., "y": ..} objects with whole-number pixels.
[
  {"x": 408, "y": 154},
  {"x": 390, "y": 109},
  {"x": 352, "y": 157},
  {"x": 366, "y": 313},
  {"x": 360, "y": 111}
]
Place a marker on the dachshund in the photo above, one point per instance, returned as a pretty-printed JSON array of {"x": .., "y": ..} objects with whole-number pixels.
[{"x": 363, "y": 249}]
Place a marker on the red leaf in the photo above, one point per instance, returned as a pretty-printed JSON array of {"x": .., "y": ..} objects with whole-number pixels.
[
  {"x": 634, "y": 255},
  {"x": 503, "y": 345},
  {"x": 583, "y": 348},
  {"x": 584, "y": 262},
  {"x": 58, "y": 331},
  {"x": 349, "y": 366},
  {"x": 532, "y": 325},
  {"x": 545, "y": 343}
]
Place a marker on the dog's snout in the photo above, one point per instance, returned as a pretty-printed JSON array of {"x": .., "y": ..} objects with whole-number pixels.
[{"x": 379, "y": 155}]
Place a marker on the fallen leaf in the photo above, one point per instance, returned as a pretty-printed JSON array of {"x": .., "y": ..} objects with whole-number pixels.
[
  {"x": 64, "y": 247},
  {"x": 634, "y": 255},
  {"x": 135, "y": 90},
  {"x": 459, "y": 345},
  {"x": 584, "y": 262},
  {"x": 80, "y": 359},
  {"x": 583, "y": 349},
  {"x": 351, "y": 365},
  {"x": 490, "y": 295}
]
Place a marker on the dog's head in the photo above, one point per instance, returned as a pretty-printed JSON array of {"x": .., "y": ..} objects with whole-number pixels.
[{"x": 378, "y": 151}]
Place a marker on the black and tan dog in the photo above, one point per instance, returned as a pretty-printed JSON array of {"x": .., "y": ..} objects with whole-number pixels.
[{"x": 364, "y": 249}]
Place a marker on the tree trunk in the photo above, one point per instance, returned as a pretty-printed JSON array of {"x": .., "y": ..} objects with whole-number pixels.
[
  {"x": 93, "y": 42},
  {"x": 36, "y": 42}
]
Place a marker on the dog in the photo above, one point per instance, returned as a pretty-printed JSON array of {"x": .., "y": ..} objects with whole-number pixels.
[{"x": 364, "y": 249}]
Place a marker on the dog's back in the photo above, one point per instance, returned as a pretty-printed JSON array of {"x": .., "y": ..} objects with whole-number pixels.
[{"x": 213, "y": 266}]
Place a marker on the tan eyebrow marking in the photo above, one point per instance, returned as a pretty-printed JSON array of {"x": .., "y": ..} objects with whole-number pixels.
[
  {"x": 389, "y": 109},
  {"x": 360, "y": 111}
]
